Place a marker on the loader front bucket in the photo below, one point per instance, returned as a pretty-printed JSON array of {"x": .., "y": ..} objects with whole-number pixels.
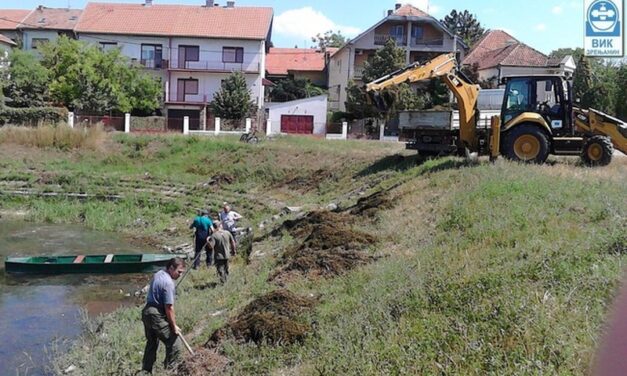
[{"x": 376, "y": 98}]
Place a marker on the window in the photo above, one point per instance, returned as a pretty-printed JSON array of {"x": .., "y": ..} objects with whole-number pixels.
[
  {"x": 189, "y": 53},
  {"x": 36, "y": 42},
  {"x": 108, "y": 46},
  {"x": 417, "y": 32},
  {"x": 188, "y": 86},
  {"x": 397, "y": 31},
  {"x": 151, "y": 55},
  {"x": 232, "y": 55},
  {"x": 517, "y": 97}
]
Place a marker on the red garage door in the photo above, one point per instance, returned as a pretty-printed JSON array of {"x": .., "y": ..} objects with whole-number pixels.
[{"x": 302, "y": 124}]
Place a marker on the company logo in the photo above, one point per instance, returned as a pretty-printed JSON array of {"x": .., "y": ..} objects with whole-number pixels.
[{"x": 604, "y": 28}]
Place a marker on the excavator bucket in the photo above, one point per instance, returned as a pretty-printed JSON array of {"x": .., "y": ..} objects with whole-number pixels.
[{"x": 376, "y": 98}]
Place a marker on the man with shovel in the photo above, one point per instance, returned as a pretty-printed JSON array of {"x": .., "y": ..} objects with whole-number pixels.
[{"x": 159, "y": 318}]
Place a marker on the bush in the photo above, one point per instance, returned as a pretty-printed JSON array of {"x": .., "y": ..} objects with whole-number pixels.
[
  {"x": 150, "y": 123},
  {"x": 32, "y": 116}
]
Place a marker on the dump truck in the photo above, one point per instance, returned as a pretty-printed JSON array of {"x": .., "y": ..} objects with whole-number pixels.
[{"x": 537, "y": 118}]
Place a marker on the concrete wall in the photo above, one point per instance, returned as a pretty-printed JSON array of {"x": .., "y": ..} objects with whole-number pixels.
[{"x": 316, "y": 106}]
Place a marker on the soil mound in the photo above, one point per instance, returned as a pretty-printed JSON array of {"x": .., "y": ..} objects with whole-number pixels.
[
  {"x": 370, "y": 205},
  {"x": 274, "y": 318}
]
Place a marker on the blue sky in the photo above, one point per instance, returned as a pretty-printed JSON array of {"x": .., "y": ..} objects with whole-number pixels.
[{"x": 542, "y": 24}]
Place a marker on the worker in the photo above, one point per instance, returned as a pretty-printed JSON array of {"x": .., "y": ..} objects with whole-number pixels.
[
  {"x": 202, "y": 225},
  {"x": 223, "y": 245},
  {"x": 228, "y": 218},
  {"x": 159, "y": 318}
]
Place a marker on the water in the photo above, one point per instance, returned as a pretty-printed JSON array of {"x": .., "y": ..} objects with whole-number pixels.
[{"x": 41, "y": 314}]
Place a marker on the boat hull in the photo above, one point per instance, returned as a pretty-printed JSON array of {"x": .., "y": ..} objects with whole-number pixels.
[{"x": 91, "y": 264}]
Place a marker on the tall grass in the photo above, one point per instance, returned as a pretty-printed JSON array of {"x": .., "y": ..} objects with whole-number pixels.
[{"x": 54, "y": 136}]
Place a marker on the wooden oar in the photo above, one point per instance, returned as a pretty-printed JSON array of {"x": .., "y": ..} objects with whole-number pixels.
[{"x": 187, "y": 346}]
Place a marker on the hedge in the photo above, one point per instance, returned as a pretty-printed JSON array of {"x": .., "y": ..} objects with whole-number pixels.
[{"x": 32, "y": 115}]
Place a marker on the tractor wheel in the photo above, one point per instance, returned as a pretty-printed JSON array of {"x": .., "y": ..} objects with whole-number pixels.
[
  {"x": 597, "y": 151},
  {"x": 526, "y": 143}
]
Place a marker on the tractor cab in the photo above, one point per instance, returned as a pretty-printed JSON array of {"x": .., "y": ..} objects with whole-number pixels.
[{"x": 547, "y": 96}]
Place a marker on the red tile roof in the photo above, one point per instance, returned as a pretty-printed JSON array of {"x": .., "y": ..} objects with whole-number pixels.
[
  {"x": 410, "y": 10},
  {"x": 51, "y": 18},
  {"x": 10, "y": 18},
  {"x": 6, "y": 40},
  {"x": 279, "y": 61},
  {"x": 176, "y": 20},
  {"x": 497, "y": 47}
]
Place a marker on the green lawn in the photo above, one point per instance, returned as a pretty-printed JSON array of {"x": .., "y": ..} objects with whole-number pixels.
[{"x": 479, "y": 268}]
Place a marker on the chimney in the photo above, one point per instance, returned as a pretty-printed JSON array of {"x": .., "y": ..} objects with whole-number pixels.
[
  {"x": 230, "y": 4},
  {"x": 397, "y": 6},
  {"x": 209, "y": 3},
  {"x": 390, "y": 11},
  {"x": 148, "y": 3}
]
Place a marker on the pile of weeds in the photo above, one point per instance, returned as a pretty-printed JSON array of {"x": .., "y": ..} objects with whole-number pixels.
[
  {"x": 274, "y": 318},
  {"x": 205, "y": 362},
  {"x": 370, "y": 205},
  {"x": 330, "y": 247}
]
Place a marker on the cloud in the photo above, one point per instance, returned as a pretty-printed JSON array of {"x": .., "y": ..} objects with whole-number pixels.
[
  {"x": 557, "y": 9},
  {"x": 540, "y": 27},
  {"x": 307, "y": 22}
]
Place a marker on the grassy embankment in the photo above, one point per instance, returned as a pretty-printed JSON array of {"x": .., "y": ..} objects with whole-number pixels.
[{"x": 497, "y": 269}]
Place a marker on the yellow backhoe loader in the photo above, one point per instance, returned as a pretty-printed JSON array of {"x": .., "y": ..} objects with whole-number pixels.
[{"x": 537, "y": 118}]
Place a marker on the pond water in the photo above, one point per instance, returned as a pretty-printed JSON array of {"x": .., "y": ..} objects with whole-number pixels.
[{"x": 42, "y": 314}]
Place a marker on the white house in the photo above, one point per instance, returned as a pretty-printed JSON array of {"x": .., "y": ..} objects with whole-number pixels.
[
  {"x": 190, "y": 48},
  {"x": 302, "y": 116},
  {"x": 44, "y": 25},
  {"x": 419, "y": 34}
]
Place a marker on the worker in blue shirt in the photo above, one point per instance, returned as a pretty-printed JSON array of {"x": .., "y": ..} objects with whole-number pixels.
[{"x": 203, "y": 229}]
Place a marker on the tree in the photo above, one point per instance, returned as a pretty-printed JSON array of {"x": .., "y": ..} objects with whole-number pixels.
[
  {"x": 233, "y": 101},
  {"x": 465, "y": 25},
  {"x": 84, "y": 78},
  {"x": 561, "y": 53},
  {"x": 290, "y": 89},
  {"x": 595, "y": 84},
  {"x": 27, "y": 81},
  {"x": 386, "y": 60},
  {"x": 621, "y": 95},
  {"x": 329, "y": 39}
]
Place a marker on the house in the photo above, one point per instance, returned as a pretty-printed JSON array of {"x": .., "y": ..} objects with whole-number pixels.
[
  {"x": 191, "y": 49},
  {"x": 6, "y": 45},
  {"x": 299, "y": 63},
  {"x": 497, "y": 54},
  {"x": 302, "y": 116},
  {"x": 10, "y": 19},
  {"x": 44, "y": 25},
  {"x": 419, "y": 34}
]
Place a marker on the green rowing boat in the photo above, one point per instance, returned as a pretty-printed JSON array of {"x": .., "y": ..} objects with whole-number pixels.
[{"x": 111, "y": 263}]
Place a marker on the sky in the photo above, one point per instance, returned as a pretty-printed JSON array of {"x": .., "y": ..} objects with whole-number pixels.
[{"x": 543, "y": 24}]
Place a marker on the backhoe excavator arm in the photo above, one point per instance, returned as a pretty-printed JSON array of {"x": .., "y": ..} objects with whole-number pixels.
[
  {"x": 444, "y": 67},
  {"x": 596, "y": 122}
]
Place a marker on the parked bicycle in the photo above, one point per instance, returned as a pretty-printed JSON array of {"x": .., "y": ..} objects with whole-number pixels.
[{"x": 250, "y": 137}]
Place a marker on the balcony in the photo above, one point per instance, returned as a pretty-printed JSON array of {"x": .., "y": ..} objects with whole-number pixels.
[
  {"x": 214, "y": 66},
  {"x": 421, "y": 42},
  {"x": 381, "y": 39},
  {"x": 197, "y": 99},
  {"x": 154, "y": 64},
  {"x": 358, "y": 72}
]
